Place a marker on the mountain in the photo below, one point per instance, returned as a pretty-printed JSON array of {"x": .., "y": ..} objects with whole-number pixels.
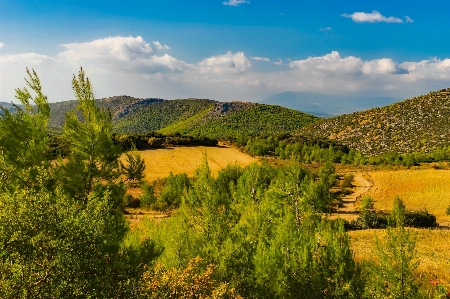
[
  {"x": 200, "y": 117},
  {"x": 8, "y": 106},
  {"x": 416, "y": 124},
  {"x": 324, "y": 105}
]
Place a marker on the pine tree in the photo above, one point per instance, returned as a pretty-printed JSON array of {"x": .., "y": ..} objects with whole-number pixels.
[
  {"x": 55, "y": 243},
  {"x": 392, "y": 270}
]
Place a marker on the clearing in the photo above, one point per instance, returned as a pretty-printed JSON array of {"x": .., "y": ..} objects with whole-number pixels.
[
  {"x": 419, "y": 189},
  {"x": 432, "y": 248},
  {"x": 160, "y": 162}
]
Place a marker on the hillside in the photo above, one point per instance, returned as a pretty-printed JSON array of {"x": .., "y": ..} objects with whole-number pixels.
[
  {"x": 199, "y": 117},
  {"x": 416, "y": 124}
]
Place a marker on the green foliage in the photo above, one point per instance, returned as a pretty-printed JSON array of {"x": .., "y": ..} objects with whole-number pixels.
[
  {"x": 24, "y": 139},
  {"x": 393, "y": 128},
  {"x": 158, "y": 115},
  {"x": 147, "y": 198},
  {"x": 401, "y": 217},
  {"x": 367, "y": 220},
  {"x": 94, "y": 159},
  {"x": 172, "y": 192},
  {"x": 133, "y": 168},
  {"x": 367, "y": 203},
  {"x": 249, "y": 119},
  {"x": 59, "y": 242},
  {"x": 392, "y": 273},
  {"x": 260, "y": 227},
  {"x": 192, "y": 282},
  {"x": 347, "y": 182}
]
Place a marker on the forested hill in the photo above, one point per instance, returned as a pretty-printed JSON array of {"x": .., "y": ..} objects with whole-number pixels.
[
  {"x": 201, "y": 117},
  {"x": 416, "y": 124}
]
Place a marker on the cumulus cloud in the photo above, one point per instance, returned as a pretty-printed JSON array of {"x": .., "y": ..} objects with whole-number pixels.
[
  {"x": 260, "y": 58},
  {"x": 409, "y": 20},
  {"x": 25, "y": 59},
  {"x": 160, "y": 47},
  {"x": 325, "y": 29},
  {"x": 334, "y": 65},
  {"x": 132, "y": 54},
  {"x": 130, "y": 65},
  {"x": 1, "y": 46},
  {"x": 235, "y": 2},
  {"x": 371, "y": 17},
  {"x": 230, "y": 62}
]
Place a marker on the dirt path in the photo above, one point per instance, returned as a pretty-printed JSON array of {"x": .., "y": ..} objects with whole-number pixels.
[
  {"x": 347, "y": 209},
  {"x": 362, "y": 185}
]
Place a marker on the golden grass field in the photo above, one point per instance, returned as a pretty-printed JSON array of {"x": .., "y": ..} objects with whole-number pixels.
[
  {"x": 432, "y": 250},
  {"x": 419, "y": 189},
  {"x": 160, "y": 162}
]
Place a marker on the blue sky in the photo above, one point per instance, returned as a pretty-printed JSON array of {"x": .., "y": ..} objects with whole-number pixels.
[{"x": 227, "y": 50}]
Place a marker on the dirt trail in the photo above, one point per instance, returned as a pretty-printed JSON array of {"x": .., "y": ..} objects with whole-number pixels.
[{"x": 347, "y": 209}]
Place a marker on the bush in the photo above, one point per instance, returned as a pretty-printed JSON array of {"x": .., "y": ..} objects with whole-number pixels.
[
  {"x": 367, "y": 203},
  {"x": 347, "y": 182},
  {"x": 366, "y": 220},
  {"x": 420, "y": 219},
  {"x": 131, "y": 202},
  {"x": 147, "y": 198}
]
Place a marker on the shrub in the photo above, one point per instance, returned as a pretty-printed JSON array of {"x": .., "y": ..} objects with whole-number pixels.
[
  {"x": 366, "y": 220},
  {"x": 131, "y": 202},
  {"x": 147, "y": 198},
  {"x": 367, "y": 203},
  {"x": 420, "y": 219},
  {"x": 347, "y": 182}
]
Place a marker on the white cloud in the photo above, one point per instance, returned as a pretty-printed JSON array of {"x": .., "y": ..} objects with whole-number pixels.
[
  {"x": 371, "y": 17},
  {"x": 325, "y": 29},
  {"x": 409, "y": 20},
  {"x": 160, "y": 47},
  {"x": 132, "y": 54},
  {"x": 236, "y": 63},
  {"x": 130, "y": 65},
  {"x": 381, "y": 67},
  {"x": 260, "y": 58},
  {"x": 25, "y": 59},
  {"x": 235, "y": 2},
  {"x": 1, "y": 46},
  {"x": 331, "y": 64}
]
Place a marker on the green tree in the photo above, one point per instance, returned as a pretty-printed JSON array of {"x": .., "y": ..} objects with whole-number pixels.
[
  {"x": 24, "y": 138},
  {"x": 94, "y": 158},
  {"x": 392, "y": 270},
  {"x": 54, "y": 242}
]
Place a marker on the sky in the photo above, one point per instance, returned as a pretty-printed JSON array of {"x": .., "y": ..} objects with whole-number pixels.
[{"x": 226, "y": 50}]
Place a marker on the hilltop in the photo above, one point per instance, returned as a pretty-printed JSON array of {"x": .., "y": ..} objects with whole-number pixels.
[
  {"x": 199, "y": 117},
  {"x": 416, "y": 124}
]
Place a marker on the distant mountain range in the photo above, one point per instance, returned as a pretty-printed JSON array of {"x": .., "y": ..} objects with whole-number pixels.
[
  {"x": 416, "y": 124},
  {"x": 324, "y": 105}
]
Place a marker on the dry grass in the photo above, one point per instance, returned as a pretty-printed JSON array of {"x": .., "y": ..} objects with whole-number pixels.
[
  {"x": 160, "y": 162},
  {"x": 419, "y": 189},
  {"x": 432, "y": 249}
]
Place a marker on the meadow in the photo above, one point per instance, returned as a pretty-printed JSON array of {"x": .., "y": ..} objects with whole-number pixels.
[
  {"x": 160, "y": 162},
  {"x": 419, "y": 189},
  {"x": 432, "y": 248}
]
